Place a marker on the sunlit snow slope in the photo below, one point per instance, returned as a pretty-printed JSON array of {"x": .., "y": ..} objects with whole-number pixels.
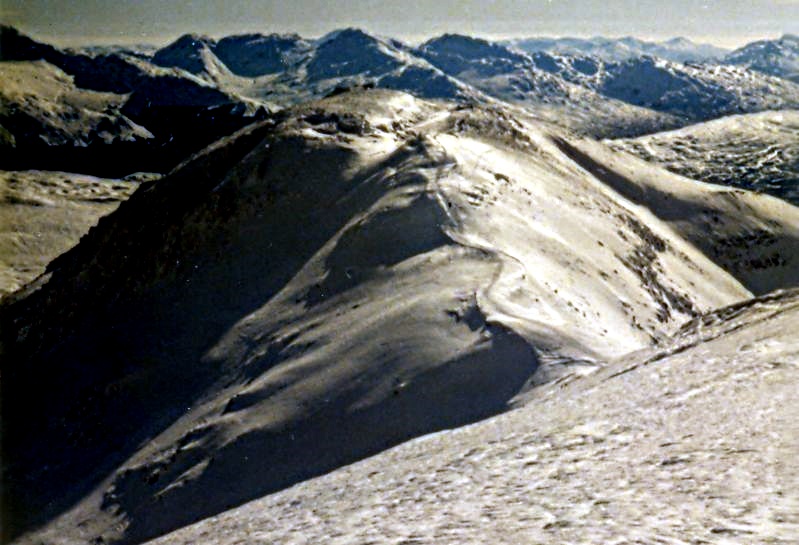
[
  {"x": 753, "y": 151},
  {"x": 317, "y": 288},
  {"x": 693, "y": 442}
]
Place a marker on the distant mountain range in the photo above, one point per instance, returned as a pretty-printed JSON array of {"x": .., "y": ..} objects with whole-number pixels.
[
  {"x": 779, "y": 57},
  {"x": 621, "y": 49},
  {"x": 175, "y": 100},
  {"x": 775, "y": 57}
]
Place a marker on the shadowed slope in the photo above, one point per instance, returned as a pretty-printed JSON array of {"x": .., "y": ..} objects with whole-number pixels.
[
  {"x": 693, "y": 441},
  {"x": 362, "y": 270},
  {"x": 754, "y": 237}
]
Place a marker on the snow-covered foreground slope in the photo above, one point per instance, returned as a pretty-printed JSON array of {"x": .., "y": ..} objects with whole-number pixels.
[
  {"x": 320, "y": 287},
  {"x": 692, "y": 443},
  {"x": 756, "y": 151}
]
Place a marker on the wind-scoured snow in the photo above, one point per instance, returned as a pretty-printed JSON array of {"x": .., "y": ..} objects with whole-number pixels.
[
  {"x": 367, "y": 269},
  {"x": 693, "y": 442},
  {"x": 756, "y": 151}
]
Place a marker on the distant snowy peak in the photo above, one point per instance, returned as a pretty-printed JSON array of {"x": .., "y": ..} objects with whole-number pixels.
[
  {"x": 619, "y": 49},
  {"x": 187, "y": 52},
  {"x": 471, "y": 48},
  {"x": 246, "y": 55},
  {"x": 454, "y": 54},
  {"x": 349, "y": 52},
  {"x": 351, "y": 57},
  {"x": 253, "y": 55},
  {"x": 775, "y": 57},
  {"x": 683, "y": 49},
  {"x": 348, "y": 33}
]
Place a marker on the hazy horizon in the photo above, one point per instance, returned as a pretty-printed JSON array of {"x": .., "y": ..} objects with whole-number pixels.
[{"x": 725, "y": 23}]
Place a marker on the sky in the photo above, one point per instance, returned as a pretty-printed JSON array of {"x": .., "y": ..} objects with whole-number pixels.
[{"x": 80, "y": 22}]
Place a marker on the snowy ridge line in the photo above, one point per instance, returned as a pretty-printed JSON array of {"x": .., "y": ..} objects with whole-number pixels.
[{"x": 386, "y": 267}]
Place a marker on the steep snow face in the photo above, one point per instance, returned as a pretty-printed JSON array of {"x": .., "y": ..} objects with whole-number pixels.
[
  {"x": 40, "y": 105},
  {"x": 755, "y": 151},
  {"x": 775, "y": 57},
  {"x": 622, "y": 49},
  {"x": 693, "y": 442},
  {"x": 369, "y": 262}
]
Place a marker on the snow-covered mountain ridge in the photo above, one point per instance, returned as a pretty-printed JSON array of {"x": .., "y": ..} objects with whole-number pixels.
[
  {"x": 624, "y": 97},
  {"x": 622, "y": 49},
  {"x": 342, "y": 244},
  {"x": 776, "y": 57},
  {"x": 363, "y": 270}
]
